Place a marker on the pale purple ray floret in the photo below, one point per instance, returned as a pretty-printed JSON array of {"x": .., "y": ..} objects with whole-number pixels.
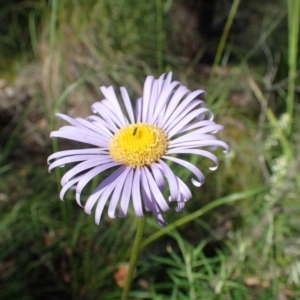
[{"x": 166, "y": 104}]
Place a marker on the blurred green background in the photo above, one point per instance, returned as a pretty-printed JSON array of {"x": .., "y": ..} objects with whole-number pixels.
[{"x": 238, "y": 238}]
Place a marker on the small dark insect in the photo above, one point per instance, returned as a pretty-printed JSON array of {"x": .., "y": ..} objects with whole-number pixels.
[{"x": 135, "y": 130}]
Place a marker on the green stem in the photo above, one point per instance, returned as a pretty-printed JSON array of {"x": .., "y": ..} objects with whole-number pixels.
[
  {"x": 134, "y": 256},
  {"x": 198, "y": 213},
  {"x": 293, "y": 40},
  {"x": 225, "y": 33},
  {"x": 159, "y": 35}
]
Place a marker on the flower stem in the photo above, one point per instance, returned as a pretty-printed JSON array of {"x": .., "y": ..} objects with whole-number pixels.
[
  {"x": 134, "y": 256},
  {"x": 222, "y": 43}
]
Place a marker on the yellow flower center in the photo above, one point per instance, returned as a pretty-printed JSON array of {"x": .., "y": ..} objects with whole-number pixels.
[{"x": 138, "y": 145}]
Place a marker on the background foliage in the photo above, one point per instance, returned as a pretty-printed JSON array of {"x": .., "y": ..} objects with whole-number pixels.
[{"x": 239, "y": 236}]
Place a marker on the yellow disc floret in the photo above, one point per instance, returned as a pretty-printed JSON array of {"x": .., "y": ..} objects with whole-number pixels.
[{"x": 138, "y": 145}]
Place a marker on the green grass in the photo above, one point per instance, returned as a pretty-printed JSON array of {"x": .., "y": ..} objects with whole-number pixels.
[{"x": 238, "y": 238}]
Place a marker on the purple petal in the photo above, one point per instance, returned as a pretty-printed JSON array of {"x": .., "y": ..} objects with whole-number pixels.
[
  {"x": 61, "y": 154},
  {"x": 206, "y": 129},
  {"x": 136, "y": 194},
  {"x": 186, "y": 142},
  {"x": 184, "y": 190},
  {"x": 179, "y": 93},
  {"x": 198, "y": 152},
  {"x": 160, "y": 200},
  {"x": 105, "y": 134},
  {"x": 84, "y": 166},
  {"x": 90, "y": 175},
  {"x": 163, "y": 99},
  {"x": 148, "y": 87},
  {"x": 126, "y": 194},
  {"x": 181, "y": 113},
  {"x": 190, "y": 167},
  {"x": 101, "y": 194},
  {"x": 102, "y": 200},
  {"x": 71, "y": 159},
  {"x": 191, "y": 137},
  {"x": 197, "y": 124},
  {"x": 180, "y": 206},
  {"x": 83, "y": 132},
  {"x": 107, "y": 115},
  {"x": 75, "y": 135},
  {"x": 71, "y": 183},
  {"x": 146, "y": 194},
  {"x": 172, "y": 180},
  {"x": 152, "y": 103},
  {"x": 163, "y": 81},
  {"x": 116, "y": 195},
  {"x": 69, "y": 120},
  {"x": 138, "y": 110},
  {"x": 104, "y": 127},
  {"x": 182, "y": 121},
  {"x": 205, "y": 143},
  {"x": 158, "y": 177},
  {"x": 175, "y": 110},
  {"x": 110, "y": 95},
  {"x": 127, "y": 103},
  {"x": 119, "y": 114},
  {"x": 150, "y": 202}
]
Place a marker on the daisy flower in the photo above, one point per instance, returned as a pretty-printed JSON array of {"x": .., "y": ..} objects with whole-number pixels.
[{"x": 136, "y": 144}]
